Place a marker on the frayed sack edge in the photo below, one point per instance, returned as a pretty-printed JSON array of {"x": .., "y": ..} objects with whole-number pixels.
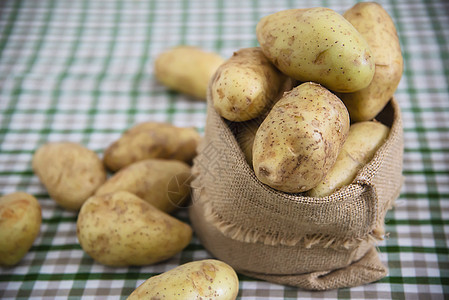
[{"x": 249, "y": 235}]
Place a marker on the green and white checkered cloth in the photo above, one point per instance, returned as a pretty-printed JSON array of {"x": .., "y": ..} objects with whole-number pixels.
[{"x": 82, "y": 71}]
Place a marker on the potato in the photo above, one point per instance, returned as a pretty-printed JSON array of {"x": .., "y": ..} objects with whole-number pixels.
[
  {"x": 20, "y": 222},
  {"x": 70, "y": 172},
  {"x": 364, "y": 138},
  {"x": 317, "y": 44},
  {"x": 120, "y": 229},
  {"x": 245, "y": 85},
  {"x": 376, "y": 26},
  {"x": 187, "y": 69},
  {"x": 299, "y": 140},
  {"x": 204, "y": 279},
  {"x": 162, "y": 183},
  {"x": 152, "y": 140}
]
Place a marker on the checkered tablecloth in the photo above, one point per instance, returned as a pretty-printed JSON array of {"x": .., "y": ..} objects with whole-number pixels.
[{"x": 82, "y": 71}]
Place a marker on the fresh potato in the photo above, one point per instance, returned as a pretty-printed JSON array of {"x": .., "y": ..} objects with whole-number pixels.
[
  {"x": 377, "y": 27},
  {"x": 187, "y": 69},
  {"x": 204, "y": 279},
  {"x": 20, "y": 222},
  {"x": 120, "y": 229},
  {"x": 299, "y": 140},
  {"x": 317, "y": 44},
  {"x": 245, "y": 85},
  {"x": 70, "y": 172},
  {"x": 152, "y": 140},
  {"x": 162, "y": 183},
  {"x": 364, "y": 138}
]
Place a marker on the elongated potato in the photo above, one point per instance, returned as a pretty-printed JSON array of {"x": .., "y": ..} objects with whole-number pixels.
[
  {"x": 162, "y": 183},
  {"x": 204, "y": 279},
  {"x": 70, "y": 172},
  {"x": 187, "y": 69},
  {"x": 245, "y": 85},
  {"x": 317, "y": 44},
  {"x": 378, "y": 29},
  {"x": 20, "y": 222},
  {"x": 152, "y": 140},
  {"x": 299, "y": 140},
  {"x": 364, "y": 138},
  {"x": 120, "y": 229}
]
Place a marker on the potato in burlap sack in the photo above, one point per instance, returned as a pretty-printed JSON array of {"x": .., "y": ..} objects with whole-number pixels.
[{"x": 315, "y": 243}]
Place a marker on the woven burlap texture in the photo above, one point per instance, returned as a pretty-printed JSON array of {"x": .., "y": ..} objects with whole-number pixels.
[{"x": 287, "y": 238}]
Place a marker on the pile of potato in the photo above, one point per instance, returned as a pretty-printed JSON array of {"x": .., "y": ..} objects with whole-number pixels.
[
  {"x": 305, "y": 101},
  {"x": 123, "y": 220},
  {"x": 316, "y": 136}
]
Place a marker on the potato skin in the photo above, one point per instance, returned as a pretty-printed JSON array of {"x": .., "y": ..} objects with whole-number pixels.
[
  {"x": 299, "y": 140},
  {"x": 317, "y": 44},
  {"x": 120, "y": 229},
  {"x": 187, "y": 69},
  {"x": 20, "y": 222},
  {"x": 162, "y": 183},
  {"x": 70, "y": 172},
  {"x": 245, "y": 85},
  {"x": 364, "y": 139},
  {"x": 378, "y": 29},
  {"x": 152, "y": 140},
  {"x": 204, "y": 279}
]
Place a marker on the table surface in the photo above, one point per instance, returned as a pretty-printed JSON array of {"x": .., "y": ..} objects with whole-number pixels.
[{"x": 82, "y": 71}]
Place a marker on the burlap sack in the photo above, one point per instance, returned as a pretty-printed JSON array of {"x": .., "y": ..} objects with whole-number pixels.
[{"x": 312, "y": 243}]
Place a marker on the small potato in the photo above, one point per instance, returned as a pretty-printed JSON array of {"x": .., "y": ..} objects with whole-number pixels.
[
  {"x": 20, "y": 222},
  {"x": 162, "y": 183},
  {"x": 187, "y": 69},
  {"x": 364, "y": 138},
  {"x": 120, "y": 229},
  {"x": 377, "y": 27},
  {"x": 70, "y": 172},
  {"x": 317, "y": 44},
  {"x": 299, "y": 140},
  {"x": 152, "y": 140},
  {"x": 203, "y": 279},
  {"x": 245, "y": 85}
]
